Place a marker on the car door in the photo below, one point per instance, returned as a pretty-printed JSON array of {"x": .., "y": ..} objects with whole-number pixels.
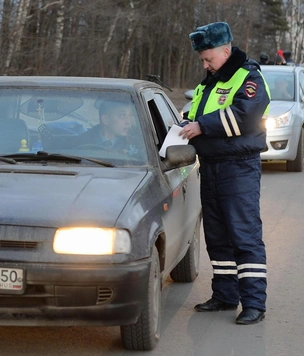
[{"x": 183, "y": 183}]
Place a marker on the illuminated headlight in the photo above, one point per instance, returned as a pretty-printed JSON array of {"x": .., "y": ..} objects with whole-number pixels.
[
  {"x": 91, "y": 241},
  {"x": 280, "y": 121}
]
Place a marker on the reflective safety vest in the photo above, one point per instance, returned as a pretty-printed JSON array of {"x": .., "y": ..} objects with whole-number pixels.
[{"x": 225, "y": 92}]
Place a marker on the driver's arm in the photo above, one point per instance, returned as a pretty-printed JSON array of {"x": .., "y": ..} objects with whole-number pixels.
[{"x": 50, "y": 141}]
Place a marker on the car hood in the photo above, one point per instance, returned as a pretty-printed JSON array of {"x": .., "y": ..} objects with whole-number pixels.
[
  {"x": 278, "y": 108},
  {"x": 55, "y": 198}
]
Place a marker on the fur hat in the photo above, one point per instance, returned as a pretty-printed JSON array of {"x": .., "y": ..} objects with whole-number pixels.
[{"x": 210, "y": 36}]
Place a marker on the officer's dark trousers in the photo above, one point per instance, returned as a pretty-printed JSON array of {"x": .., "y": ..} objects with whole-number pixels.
[{"x": 230, "y": 195}]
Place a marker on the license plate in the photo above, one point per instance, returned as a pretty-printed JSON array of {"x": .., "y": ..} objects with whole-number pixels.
[{"x": 11, "y": 280}]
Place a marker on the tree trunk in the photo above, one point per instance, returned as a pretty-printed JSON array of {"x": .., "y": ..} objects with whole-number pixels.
[
  {"x": 58, "y": 35},
  {"x": 15, "y": 43}
]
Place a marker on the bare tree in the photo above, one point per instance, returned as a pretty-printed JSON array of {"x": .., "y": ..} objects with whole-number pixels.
[
  {"x": 16, "y": 35},
  {"x": 4, "y": 35},
  {"x": 295, "y": 35},
  {"x": 59, "y": 30},
  {"x": 134, "y": 38}
]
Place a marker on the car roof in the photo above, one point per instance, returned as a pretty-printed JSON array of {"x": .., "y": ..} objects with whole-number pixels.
[
  {"x": 280, "y": 68},
  {"x": 76, "y": 82}
]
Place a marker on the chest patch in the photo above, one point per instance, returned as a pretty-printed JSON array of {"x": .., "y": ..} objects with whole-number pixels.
[
  {"x": 222, "y": 99},
  {"x": 223, "y": 91},
  {"x": 251, "y": 89},
  {"x": 223, "y": 95}
]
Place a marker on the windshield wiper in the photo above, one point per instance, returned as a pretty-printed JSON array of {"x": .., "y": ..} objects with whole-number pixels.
[
  {"x": 46, "y": 156},
  {"x": 8, "y": 160}
]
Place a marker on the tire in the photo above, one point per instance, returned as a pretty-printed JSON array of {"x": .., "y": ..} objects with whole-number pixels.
[
  {"x": 297, "y": 164},
  {"x": 144, "y": 334},
  {"x": 188, "y": 268}
]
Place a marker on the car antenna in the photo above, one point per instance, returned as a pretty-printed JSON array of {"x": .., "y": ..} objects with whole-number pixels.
[{"x": 156, "y": 79}]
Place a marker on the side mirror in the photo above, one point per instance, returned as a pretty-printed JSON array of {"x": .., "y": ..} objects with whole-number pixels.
[
  {"x": 189, "y": 94},
  {"x": 179, "y": 156}
]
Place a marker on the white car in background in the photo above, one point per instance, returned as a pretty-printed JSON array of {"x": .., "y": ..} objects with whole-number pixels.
[{"x": 286, "y": 116}]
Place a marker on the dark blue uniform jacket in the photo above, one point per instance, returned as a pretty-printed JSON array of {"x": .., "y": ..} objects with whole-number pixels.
[{"x": 248, "y": 112}]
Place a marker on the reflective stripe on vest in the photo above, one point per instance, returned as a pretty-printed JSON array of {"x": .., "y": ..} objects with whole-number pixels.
[{"x": 224, "y": 93}]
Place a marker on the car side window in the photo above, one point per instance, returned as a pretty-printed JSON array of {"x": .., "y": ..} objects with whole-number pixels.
[
  {"x": 161, "y": 114},
  {"x": 167, "y": 114},
  {"x": 159, "y": 125},
  {"x": 301, "y": 86}
]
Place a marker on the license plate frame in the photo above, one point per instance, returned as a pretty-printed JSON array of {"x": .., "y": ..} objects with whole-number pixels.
[{"x": 12, "y": 280}]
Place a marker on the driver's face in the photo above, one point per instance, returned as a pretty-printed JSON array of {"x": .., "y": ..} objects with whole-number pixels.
[{"x": 118, "y": 121}]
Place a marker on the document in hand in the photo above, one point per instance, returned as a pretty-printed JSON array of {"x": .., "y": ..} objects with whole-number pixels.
[{"x": 172, "y": 139}]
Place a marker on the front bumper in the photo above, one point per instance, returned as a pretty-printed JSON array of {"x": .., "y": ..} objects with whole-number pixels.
[
  {"x": 77, "y": 295},
  {"x": 287, "y": 138}
]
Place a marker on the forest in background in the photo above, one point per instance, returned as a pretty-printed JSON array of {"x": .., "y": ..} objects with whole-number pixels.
[{"x": 135, "y": 38}]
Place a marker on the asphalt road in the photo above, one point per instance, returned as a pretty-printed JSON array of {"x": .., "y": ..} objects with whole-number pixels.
[{"x": 185, "y": 332}]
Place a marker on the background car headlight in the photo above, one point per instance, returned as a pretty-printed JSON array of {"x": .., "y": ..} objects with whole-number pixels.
[
  {"x": 280, "y": 121},
  {"x": 91, "y": 241}
]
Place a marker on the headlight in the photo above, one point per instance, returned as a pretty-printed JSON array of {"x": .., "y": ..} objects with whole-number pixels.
[
  {"x": 91, "y": 241},
  {"x": 280, "y": 121}
]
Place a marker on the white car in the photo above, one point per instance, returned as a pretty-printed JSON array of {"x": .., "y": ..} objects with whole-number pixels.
[
  {"x": 286, "y": 115},
  {"x": 285, "y": 119}
]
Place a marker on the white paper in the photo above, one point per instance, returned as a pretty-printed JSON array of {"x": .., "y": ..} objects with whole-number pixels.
[{"x": 172, "y": 139}]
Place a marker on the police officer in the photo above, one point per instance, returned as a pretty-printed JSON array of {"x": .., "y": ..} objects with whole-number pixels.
[{"x": 225, "y": 125}]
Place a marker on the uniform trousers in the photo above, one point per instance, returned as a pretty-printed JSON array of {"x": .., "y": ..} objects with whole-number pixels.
[{"x": 230, "y": 196}]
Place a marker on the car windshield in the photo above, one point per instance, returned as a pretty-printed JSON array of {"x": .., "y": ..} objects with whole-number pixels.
[
  {"x": 281, "y": 85},
  {"x": 101, "y": 125}
]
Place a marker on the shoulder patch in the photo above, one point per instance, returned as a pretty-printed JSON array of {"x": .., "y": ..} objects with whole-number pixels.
[{"x": 250, "y": 88}]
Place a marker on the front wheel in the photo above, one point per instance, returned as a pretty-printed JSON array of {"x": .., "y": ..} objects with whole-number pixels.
[
  {"x": 145, "y": 333},
  {"x": 188, "y": 268},
  {"x": 297, "y": 164}
]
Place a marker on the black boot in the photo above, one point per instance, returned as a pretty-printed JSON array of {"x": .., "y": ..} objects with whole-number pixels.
[
  {"x": 250, "y": 316},
  {"x": 214, "y": 305}
]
